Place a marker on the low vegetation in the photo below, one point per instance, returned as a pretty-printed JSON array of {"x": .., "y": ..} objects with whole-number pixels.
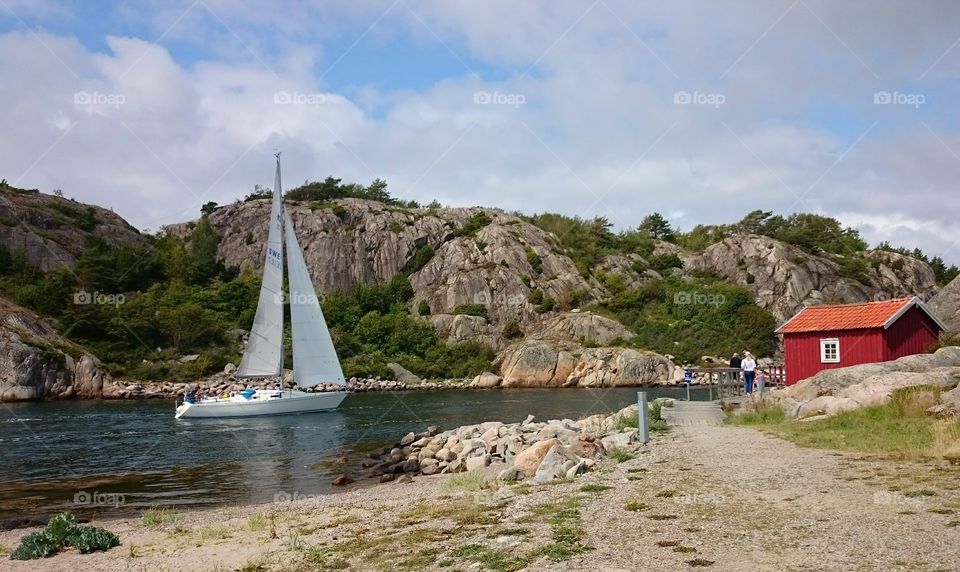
[
  {"x": 63, "y": 532},
  {"x": 900, "y": 428}
]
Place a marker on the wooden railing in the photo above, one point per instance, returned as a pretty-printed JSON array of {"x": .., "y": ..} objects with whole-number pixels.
[{"x": 727, "y": 382}]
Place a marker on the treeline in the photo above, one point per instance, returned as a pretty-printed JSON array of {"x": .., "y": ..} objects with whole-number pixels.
[
  {"x": 588, "y": 241},
  {"x": 332, "y": 188}
]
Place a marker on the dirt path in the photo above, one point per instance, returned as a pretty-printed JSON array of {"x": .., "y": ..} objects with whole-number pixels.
[
  {"x": 702, "y": 495},
  {"x": 747, "y": 501}
]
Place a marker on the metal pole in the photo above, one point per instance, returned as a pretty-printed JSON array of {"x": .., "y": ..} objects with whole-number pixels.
[{"x": 643, "y": 416}]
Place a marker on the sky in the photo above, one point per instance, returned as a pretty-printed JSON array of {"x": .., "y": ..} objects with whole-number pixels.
[{"x": 700, "y": 110}]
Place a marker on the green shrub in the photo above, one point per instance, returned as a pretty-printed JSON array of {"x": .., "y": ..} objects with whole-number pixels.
[
  {"x": 511, "y": 330},
  {"x": 471, "y": 310},
  {"x": 545, "y": 305},
  {"x": 88, "y": 539},
  {"x": 35, "y": 545},
  {"x": 62, "y": 531},
  {"x": 423, "y": 308},
  {"x": 536, "y": 263},
  {"x": 473, "y": 224}
]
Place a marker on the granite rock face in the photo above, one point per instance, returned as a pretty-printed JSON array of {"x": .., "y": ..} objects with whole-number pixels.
[
  {"x": 37, "y": 363},
  {"x": 946, "y": 305},
  {"x": 52, "y": 232},
  {"x": 784, "y": 278}
]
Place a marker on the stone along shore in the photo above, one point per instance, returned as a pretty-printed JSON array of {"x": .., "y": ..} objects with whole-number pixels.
[{"x": 539, "y": 451}]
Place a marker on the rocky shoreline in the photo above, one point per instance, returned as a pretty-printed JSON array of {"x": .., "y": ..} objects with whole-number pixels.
[{"x": 538, "y": 451}]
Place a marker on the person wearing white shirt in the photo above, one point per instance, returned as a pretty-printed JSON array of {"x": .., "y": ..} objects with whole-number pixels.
[{"x": 749, "y": 367}]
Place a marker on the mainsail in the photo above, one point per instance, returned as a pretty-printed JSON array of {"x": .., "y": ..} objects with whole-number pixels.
[
  {"x": 264, "y": 354},
  {"x": 314, "y": 357}
]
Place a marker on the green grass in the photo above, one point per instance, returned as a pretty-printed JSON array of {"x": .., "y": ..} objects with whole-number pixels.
[
  {"x": 466, "y": 482},
  {"x": 490, "y": 559},
  {"x": 899, "y": 428},
  {"x": 213, "y": 532},
  {"x": 595, "y": 488},
  {"x": 257, "y": 522},
  {"x": 636, "y": 506},
  {"x": 4, "y": 549},
  {"x": 158, "y": 517},
  {"x": 620, "y": 455}
]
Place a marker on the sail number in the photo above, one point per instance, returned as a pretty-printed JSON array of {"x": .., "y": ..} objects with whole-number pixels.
[{"x": 273, "y": 257}]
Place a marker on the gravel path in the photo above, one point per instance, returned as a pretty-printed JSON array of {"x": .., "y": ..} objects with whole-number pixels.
[{"x": 746, "y": 501}]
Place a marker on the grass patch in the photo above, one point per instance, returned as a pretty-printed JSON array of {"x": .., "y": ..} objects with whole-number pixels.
[
  {"x": 257, "y": 522},
  {"x": 700, "y": 562},
  {"x": 620, "y": 454},
  {"x": 667, "y": 543},
  {"x": 636, "y": 506},
  {"x": 466, "y": 482},
  {"x": 662, "y": 517},
  {"x": 667, "y": 494},
  {"x": 158, "y": 517},
  {"x": 920, "y": 493},
  {"x": 213, "y": 532},
  {"x": 684, "y": 549},
  {"x": 899, "y": 428},
  {"x": 491, "y": 559},
  {"x": 595, "y": 488}
]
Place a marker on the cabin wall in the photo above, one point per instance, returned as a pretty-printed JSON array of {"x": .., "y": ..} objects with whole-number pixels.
[
  {"x": 912, "y": 334},
  {"x": 802, "y": 351}
]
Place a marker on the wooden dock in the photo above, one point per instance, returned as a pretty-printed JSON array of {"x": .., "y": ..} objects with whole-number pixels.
[{"x": 693, "y": 413}]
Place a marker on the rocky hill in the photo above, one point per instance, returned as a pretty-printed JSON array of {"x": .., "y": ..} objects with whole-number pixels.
[
  {"x": 785, "y": 278},
  {"x": 355, "y": 241},
  {"x": 52, "y": 231},
  {"x": 477, "y": 275}
]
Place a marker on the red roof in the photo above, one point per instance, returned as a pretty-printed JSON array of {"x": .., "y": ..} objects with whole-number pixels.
[{"x": 862, "y": 316}]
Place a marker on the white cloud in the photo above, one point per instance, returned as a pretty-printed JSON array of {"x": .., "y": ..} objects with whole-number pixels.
[{"x": 598, "y": 131}]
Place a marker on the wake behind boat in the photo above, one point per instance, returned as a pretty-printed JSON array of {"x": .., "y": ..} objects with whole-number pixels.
[{"x": 314, "y": 357}]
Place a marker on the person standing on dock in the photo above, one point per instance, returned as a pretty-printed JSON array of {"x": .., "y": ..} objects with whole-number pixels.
[
  {"x": 735, "y": 361},
  {"x": 749, "y": 367}
]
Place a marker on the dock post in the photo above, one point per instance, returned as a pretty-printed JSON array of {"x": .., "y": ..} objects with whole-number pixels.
[{"x": 643, "y": 417}]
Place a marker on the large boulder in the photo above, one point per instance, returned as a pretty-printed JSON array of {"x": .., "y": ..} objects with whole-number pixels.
[
  {"x": 543, "y": 363},
  {"x": 486, "y": 380},
  {"x": 946, "y": 305},
  {"x": 528, "y": 460},
  {"x": 584, "y": 327},
  {"x": 840, "y": 389},
  {"x": 457, "y": 328},
  {"x": 38, "y": 363},
  {"x": 402, "y": 374}
]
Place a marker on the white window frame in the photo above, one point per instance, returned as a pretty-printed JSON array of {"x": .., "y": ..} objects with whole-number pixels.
[{"x": 824, "y": 344}]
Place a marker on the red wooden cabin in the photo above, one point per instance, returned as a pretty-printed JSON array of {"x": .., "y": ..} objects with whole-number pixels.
[{"x": 840, "y": 335}]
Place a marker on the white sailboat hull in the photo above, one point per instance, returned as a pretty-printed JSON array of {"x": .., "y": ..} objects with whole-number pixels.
[{"x": 269, "y": 402}]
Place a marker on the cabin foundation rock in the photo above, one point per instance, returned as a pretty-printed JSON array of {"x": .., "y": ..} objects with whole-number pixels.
[{"x": 835, "y": 390}]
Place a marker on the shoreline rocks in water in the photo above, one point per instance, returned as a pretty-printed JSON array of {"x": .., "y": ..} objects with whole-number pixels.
[{"x": 539, "y": 451}]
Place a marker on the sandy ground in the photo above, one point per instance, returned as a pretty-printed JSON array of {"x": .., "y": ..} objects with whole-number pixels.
[{"x": 720, "y": 498}]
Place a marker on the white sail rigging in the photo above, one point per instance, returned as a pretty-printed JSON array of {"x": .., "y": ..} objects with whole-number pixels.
[
  {"x": 264, "y": 353},
  {"x": 314, "y": 357}
]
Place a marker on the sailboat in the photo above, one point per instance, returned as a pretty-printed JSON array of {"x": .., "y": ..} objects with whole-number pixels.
[{"x": 314, "y": 356}]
